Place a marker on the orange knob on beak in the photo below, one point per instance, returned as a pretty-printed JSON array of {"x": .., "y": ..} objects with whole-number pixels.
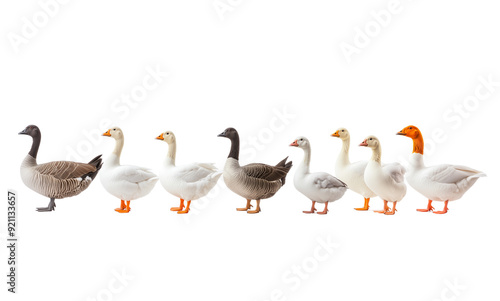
[
  {"x": 363, "y": 143},
  {"x": 160, "y": 137},
  {"x": 108, "y": 133},
  {"x": 336, "y": 134},
  {"x": 294, "y": 143}
]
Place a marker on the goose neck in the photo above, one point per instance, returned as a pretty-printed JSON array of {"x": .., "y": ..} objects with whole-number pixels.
[
  {"x": 307, "y": 159},
  {"x": 418, "y": 144},
  {"x": 235, "y": 148},
  {"x": 377, "y": 154},
  {"x": 118, "y": 149},
  {"x": 35, "y": 145},
  {"x": 344, "y": 153},
  {"x": 172, "y": 149}
]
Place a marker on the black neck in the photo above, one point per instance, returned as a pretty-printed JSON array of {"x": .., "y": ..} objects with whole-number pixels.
[
  {"x": 235, "y": 147},
  {"x": 35, "y": 145}
]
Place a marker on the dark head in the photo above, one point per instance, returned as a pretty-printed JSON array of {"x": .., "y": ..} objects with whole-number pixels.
[
  {"x": 34, "y": 132},
  {"x": 232, "y": 135},
  {"x": 31, "y": 130}
]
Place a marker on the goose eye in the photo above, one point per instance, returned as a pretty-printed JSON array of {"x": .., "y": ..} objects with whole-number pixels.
[
  {"x": 342, "y": 130},
  {"x": 168, "y": 134},
  {"x": 371, "y": 138},
  {"x": 411, "y": 128}
]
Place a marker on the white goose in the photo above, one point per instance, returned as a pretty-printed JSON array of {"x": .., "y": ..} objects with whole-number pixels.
[
  {"x": 187, "y": 182},
  {"x": 353, "y": 174},
  {"x": 319, "y": 187},
  {"x": 443, "y": 182},
  {"x": 386, "y": 181},
  {"x": 125, "y": 182}
]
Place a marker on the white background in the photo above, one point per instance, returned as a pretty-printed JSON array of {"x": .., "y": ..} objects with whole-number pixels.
[{"x": 260, "y": 58}]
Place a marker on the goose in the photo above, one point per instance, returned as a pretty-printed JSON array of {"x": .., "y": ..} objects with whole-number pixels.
[
  {"x": 441, "y": 183},
  {"x": 319, "y": 187},
  {"x": 254, "y": 181},
  {"x": 187, "y": 182},
  {"x": 58, "y": 179},
  {"x": 125, "y": 182},
  {"x": 352, "y": 173},
  {"x": 387, "y": 181}
]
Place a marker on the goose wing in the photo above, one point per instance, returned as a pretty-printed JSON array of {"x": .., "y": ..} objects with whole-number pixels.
[
  {"x": 65, "y": 169},
  {"x": 451, "y": 173},
  {"x": 322, "y": 180},
  {"x": 136, "y": 174},
  {"x": 194, "y": 172},
  {"x": 396, "y": 171},
  {"x": 264, "y": 171}
]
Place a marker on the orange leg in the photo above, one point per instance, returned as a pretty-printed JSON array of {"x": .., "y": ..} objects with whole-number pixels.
[
  {"x": 312, "y": 208},
  {"x": 393, "y": 209},
  {"x": 181, "y": 206},
  {"x": 246, "y": 208},
  {"x": 185, "y": 210},
  {"x": 445, "y": 209},
  {"x": 429, "y": 207},
  {"x": 386, "y": 208},
  {"x": 124, "y": 210},
  {"x": 365, "y": 207},
  {"x": 257, "y": 209},
  {"x": 325, "y": 211},
  {"x": 122, "y": 206}
]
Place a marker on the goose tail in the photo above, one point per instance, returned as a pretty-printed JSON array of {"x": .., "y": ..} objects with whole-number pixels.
[
  {"x": 286, "y": 166},
  {"x": 97, "y": 162}
]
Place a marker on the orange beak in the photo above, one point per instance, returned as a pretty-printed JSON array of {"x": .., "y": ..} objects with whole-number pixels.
[
  {"x": 160, "y": 137},
  {"x": 363, "y": 143},
  {"x": 294, "y": 143},
  {"x": 402, "y": 132},
  {"x": 108, "y": 133},
  {"x": 336, "y": 134}
]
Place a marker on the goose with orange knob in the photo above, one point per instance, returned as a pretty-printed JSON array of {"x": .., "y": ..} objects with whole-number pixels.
[{"x": 442, "y": 183}]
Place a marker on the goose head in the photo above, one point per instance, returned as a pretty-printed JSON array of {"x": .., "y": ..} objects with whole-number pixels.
[
  {"x": 31, "y": 130},
  {"x": 300, "y": 142},
  {"x": 167, "y": 136},
  {"x": 229, "y": 133},
  {"x": 341, "y": 133},
  {"x": 114, "y": 132},
  {"x": 371, "y": 142},
  {"x": 410, "y": 131}
]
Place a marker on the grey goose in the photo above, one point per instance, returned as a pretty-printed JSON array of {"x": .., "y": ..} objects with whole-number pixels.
[
  {"x": 254, "y": 181},
  {"x": 58, "y": 179}
]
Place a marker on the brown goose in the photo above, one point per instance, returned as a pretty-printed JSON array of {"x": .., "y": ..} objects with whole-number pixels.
[
  {"x": 254, "y": 181},
  {"x": 58, "y": 179}
]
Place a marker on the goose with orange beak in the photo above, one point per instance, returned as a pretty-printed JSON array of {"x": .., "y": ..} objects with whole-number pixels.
[
  {"x": 388, "y": 180},
  {"x": 126, "y": 182},
  {"x": 441, "y": 183},
  {"x": 187, "y": 182},
  {"x": 319, "y": 187},
  {"x": 353, "y": 174}
]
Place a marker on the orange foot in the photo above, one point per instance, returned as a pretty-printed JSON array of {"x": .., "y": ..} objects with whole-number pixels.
[
  {"x": 325, "y": 211},
  {"x": 386, "y": 208},
  {"x": 429, "y": 207},
  {"x": 445, "y": 209},
  {"x": 365, "y": 207},
  {"x": 246, "y": 208},
  {"x": 393, "y": 210},
  {"x": 185, "y": 210},
  {"x": 312, "y": 208},
  {"x": 181, "y": 206},
  {"x": 257, "y": 209},
  {"x": 125, "y": 209}
]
